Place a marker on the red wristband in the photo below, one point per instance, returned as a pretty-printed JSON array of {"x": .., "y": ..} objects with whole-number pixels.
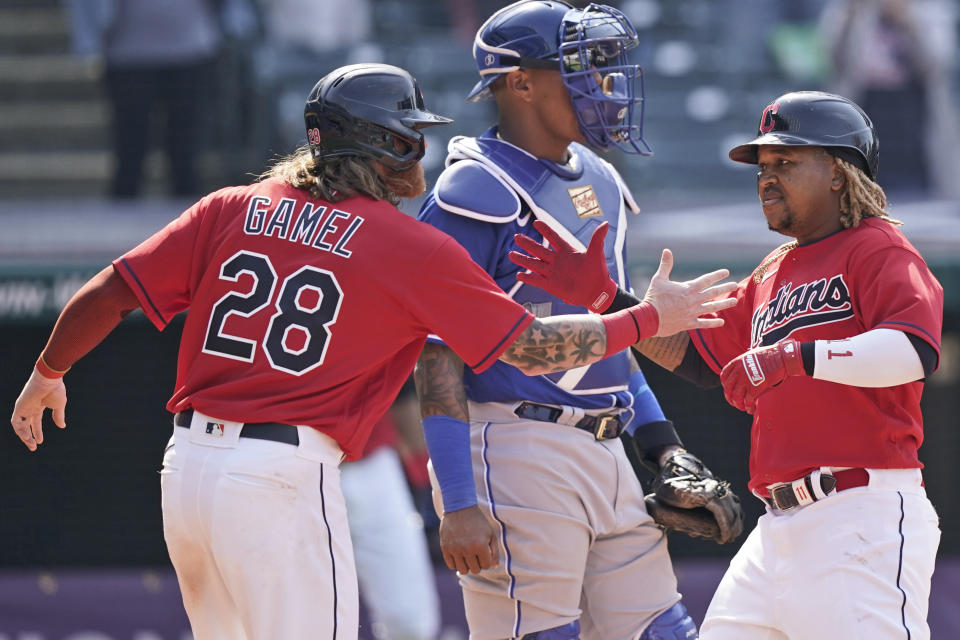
[
  {"x": 44, "y": 369},
  {"x": 630, "y": 326}
]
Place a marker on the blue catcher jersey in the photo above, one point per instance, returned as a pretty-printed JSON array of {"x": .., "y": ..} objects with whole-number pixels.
[{"x": 491, "y": 190}]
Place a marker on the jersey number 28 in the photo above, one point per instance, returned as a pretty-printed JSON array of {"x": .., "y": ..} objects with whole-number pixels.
[{"x": 291, "y": 313}]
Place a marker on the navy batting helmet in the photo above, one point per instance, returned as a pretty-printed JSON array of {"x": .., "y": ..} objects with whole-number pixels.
[
  {"x": 588, "y": 47},
  {"x": 817, "y": 119},
  {"x": 372, "y": 110}
]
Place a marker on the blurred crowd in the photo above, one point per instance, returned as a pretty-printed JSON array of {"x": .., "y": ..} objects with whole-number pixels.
[{"x": 230, "y": 76}]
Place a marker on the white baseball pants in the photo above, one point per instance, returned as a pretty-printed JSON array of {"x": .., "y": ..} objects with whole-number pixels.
[
  {"x": 855, "y": 565},
  {"x": 258, "y": 535}
]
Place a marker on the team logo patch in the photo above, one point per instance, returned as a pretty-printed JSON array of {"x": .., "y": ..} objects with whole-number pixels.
[
  {"x": 215, "y": 428},
  {"x": 767, "y": 121},
  {"x": 585, "y": 202},
  {"x": 489, "y": 59}
]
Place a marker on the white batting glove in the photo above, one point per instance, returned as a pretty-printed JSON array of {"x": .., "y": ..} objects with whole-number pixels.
[{"x": 38, "y": 394}]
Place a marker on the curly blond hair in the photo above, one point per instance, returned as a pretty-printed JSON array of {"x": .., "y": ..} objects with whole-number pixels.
[
  {"x": 861, "y": 198},
  {"x": 332, "y": 179}
]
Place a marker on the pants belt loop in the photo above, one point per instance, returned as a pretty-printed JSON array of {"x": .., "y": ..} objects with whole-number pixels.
[
  {"x": 571, "y": 415},
  {"x": 817, "y": 481}
]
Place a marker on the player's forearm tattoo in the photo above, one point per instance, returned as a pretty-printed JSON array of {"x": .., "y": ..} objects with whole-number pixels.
[
  {"x": 667, "y": 352},
  {"x": 550, "y": 345},
  {"x": 439, "y": 378}
]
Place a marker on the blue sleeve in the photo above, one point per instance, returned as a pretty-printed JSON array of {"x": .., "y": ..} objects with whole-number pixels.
[
  {"x": 448, "y": 443},
  {"x": 646, "y": 408}
]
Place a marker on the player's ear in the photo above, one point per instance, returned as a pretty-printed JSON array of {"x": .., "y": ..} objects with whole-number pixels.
[
  {"x": 518, "y": 83},
  {"x": 838, "y": 181}
]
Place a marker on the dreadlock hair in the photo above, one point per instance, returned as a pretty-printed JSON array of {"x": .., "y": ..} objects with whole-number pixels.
[
  {"x": 332, "y": 179},
  {"x": 861, "y": 198}
]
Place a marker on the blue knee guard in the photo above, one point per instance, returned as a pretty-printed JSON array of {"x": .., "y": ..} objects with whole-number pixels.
[
  {"x": 569, "y": 631},
  {"x": 672, "y": 624}
]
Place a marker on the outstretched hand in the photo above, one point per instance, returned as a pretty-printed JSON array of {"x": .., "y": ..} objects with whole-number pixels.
[
  {"x": 582, "y": 278},
  {"x": 39, "y": 393},
  {"x": 680, "y": 304},
  {"x": 577, "y": 277}
]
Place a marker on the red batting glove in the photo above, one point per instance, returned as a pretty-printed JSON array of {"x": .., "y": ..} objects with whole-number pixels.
[
  {"x": 749, "y": 375},
  {"x": 576, "y": 277}
]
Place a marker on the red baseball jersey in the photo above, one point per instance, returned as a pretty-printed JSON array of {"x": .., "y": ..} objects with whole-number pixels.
[
  {"x": 311, "y": 313},
  {"x": 852, "y": 281}
]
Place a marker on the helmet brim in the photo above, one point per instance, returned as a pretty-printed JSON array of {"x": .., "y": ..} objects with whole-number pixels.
[
  {"x": 420, "y": 118},
  {"x": 747, "y": 152},
  {"x": 481, "y": 91}
]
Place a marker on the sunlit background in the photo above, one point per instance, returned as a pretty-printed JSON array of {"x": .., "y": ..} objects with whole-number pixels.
[{"x": 219, "y": 86}]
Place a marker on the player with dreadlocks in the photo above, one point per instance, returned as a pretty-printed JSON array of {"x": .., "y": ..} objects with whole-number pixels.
[
  {"x": 861, "y": 198},
  {"x": 828, "y": 348}
]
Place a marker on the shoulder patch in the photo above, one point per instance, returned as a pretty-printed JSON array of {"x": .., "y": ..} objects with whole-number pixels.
[{"x": 468, "y": 189}]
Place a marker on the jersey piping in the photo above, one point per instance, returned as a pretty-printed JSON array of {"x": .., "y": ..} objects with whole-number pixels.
[
  {"x": 143, "y": 293},
  {"x": 932, "y": 340},
  {"x": 494, "y": 353},
  {"x": 503, "y": 529},
  {"x": 701, "y": 345}
]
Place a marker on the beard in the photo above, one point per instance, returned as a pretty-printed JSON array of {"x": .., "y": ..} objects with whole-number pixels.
[
  {"x": 408, "y": 183},
  {"x": 782, "y": 223}
]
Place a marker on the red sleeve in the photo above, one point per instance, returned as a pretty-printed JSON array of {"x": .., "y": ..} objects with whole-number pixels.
[
  {"x": 897, "y": 291},
  {"x": 721, "y": 345},
  {"x": 158, "y": 271},
  {"x": 460, "y": 302}
]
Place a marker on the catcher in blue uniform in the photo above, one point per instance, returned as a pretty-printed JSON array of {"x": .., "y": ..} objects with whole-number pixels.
[{"x": 542, "y": 513}]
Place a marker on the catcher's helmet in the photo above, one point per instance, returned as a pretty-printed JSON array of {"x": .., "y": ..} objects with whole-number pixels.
[
  {"x": 587, "y": 46},
  {"x": 814, "y": 118},
  {"x": 372, "y": 110}
]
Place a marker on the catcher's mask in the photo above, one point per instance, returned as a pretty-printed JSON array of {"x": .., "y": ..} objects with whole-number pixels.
[
  {"x": 588, "y": 47},
  {"x": 372, "y": 110},
  {"x": 817, "y": 119}
]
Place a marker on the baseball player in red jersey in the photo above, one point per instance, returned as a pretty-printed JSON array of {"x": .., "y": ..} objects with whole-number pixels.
[
  {"x": 827, "y": 349},
  {"x": 297, "y": 340}
]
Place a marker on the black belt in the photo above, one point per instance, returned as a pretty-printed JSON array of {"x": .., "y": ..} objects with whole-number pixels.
[
  {"x": 784, "y": 497},
  {"x": 273, "y": 431},
  {"x": 602, "y": 427}
]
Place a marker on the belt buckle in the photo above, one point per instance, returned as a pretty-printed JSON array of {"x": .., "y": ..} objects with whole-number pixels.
[
  {"x": 773, "y": 489},
  {"x": 604, "y": 430}
]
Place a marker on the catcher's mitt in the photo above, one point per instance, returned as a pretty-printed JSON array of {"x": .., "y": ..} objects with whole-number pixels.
[{"x": 687, "y": 498}]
